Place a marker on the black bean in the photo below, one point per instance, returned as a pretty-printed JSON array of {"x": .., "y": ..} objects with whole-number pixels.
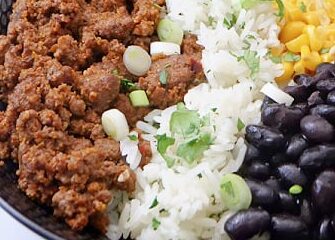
[
  {"x": 266, "y": 102},
  {"x": 247, "y": 223},
  {"x": 288, "y": 227},
  {"x": 326, "y": 86},
  {"x": 291, "y": 175},
  {"x": 282, "y": 117},
  {"x": 259, "y": 171},
  {"x": 323, "y": 194},
  {"x": 302, "y": 106},
  {"x": 273, "y": 183},
  {"x": 307, "y": 213},
  {"x": 325, "y": 111},
  {"x": 278, "y": 159},
  {"x": 253, "y": 154},
  {"x": 263, "y": 195},
  {"x": 288, "y": 203},
  {"x": 328, "y": 69},
  {"x": 324, "y": 231},
  {"x": 299, "y": 92},
  {"x": 317, "y": 129},
  {"x": 317, "y": 157},
  {"x": 296, "y": 146},
  {"x": 305, "y": 80},
  {"x": 315, "y": 99},
  {"x": 265, "y": 138},
  {"x": 331, "y": 98},
  {"x": 3, "y": 106}
]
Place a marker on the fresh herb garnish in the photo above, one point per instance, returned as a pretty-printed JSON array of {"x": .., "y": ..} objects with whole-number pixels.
[
  {"x": 252, "y": 61},
  {"x": 227, "y": 187},
  {"x": 193, "y": 150},
  {"x": 127, "y": 85},
  {"x": 163, "y": 142},
  {"x": 133, "y": 137},
  {"x": 291, "y": 57},
  {"x": 155, "y": 223},
  {"x": 246, "y": 4},
  {"x": 164, "y": 75},
  {"x": 281, "y": 7},
  {"x": 324, "y": 50},
  {"x": 211, "y": 21},
  {"x": 240, "y": 124},
  {"x": 229, "y": 23},
  {"x": 154, "y": 203},
  {"x": 185, "y": 122},
  {"x": 302, "y": 7}
]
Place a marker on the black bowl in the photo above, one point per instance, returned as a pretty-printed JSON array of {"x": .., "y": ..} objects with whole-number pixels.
[{"x": 34, "y": 216}]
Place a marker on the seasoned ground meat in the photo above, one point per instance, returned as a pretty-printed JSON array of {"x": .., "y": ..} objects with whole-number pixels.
[{"x": 61, "y": 66}]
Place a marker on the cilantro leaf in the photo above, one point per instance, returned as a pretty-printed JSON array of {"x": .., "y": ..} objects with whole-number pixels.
[
  {"x": 240, "y": 124},
  {"x": 185, "y": 122},
  {"x": 275, "y": 59},
  {"x": 133, "y": 137},
  {"x": 194, "y": 149},
  {"x": 155, "y": 223},
  {"x": 302, "y": 7},
  {"x": 163, "y": 143},
  {"x": 281, "y": 7},
  {"x": 229, "y": 23},
  {"x": 154, "y": 203},
  {"x": 127, "y": 85},
  {"x": 291, "y": 57},
  {"x": 252, "y": 61}
]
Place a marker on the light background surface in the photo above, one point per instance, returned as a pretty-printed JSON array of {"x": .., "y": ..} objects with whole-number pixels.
[{"x": 11, "y": 229}]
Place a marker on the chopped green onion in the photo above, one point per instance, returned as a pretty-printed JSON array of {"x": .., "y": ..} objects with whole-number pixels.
[
  {"x": 133, "y": 137},
  {"x": 154, "y": 203},
  {"x": 169, "y": 31},
  {"x": 235, "y": 192},
  {"x": 136, "y": 60},
  {"x": 155, "y": 223},
  {"x": 302, "y": 7},
  {"x": 185, "y": 122},
  {"x": 163, "y": 76},
  {"x": 240, "y": 124},
  {"x": 281, "y": 7},
  {"x": 324, "y": 50},
  {"x": 295, "y": 189},
  {"x": 139, "y": 98},
  {"x": 291, "y": 57},
  {"x": 274, "y": 59},
  {"x": 115, "y": 124},
  {"x": 194, "y": 149}
]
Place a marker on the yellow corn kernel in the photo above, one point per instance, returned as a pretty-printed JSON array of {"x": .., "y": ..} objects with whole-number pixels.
[
  {"x": 291, "y": 30},
  {"x": 305, "y": 52},
  {"x": 287, "y": 75},
  {"x": 312, "y": 18},
  {"x": 312, "y": 61},
  {"x": 295, "y": 14},
  {"x": 314, "y": 40},
  {"x": 328, "y": 44},
  {"x": 326, "y": 57},
  {"x": 277, "y": 51},
  {"x": 299, "y": 67},
  {"x": 296, "y": 44}
]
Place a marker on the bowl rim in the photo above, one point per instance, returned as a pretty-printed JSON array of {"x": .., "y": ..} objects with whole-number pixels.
[{"x": 28, "y": 222}]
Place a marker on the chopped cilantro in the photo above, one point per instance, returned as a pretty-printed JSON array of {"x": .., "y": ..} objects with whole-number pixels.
[
  {"x": 274, "y": 59},
  {"x": 291, "y": 57},
  {"x": 193, "y": 150},
  {"x": 252, "y": 61},
  {"x": 240, "y": 124},
  {"x": 185, "y": 122},
  {"x": 324, "y": 50},
  {"x": 154, "y": 203},
  {"x": 229, "y": 23},
  {"x": 281, "y": 7},
  {"x": 163, "y": 142},
  {"x": 211, "y": 21},
  {"x": 302, "y": 7},
  {"x": 127, "y": 85},
  {"x": 133, "y": 137},
  {"x": 155, "y": 223}
]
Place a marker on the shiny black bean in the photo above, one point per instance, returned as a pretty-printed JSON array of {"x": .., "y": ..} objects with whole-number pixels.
[
  {"x": 3, "y": 106},
  {"x": 303, "y": 107},
  {"x": 326, "y": 86},
  {"x": 288, "y": 227},
  {"x": 263, "y": 195},
  {"x": 266, "y": 102},
  {"x": 291, "y": 175},
  {"x": 315, "y": 99},
  {"x": 265, "y": 138},
  {"x": 282, "y": 117},
  {"x": 253, "y": 154},
  {"x": 273, "y": 183},
  {"x": 307, "y": 213},
  {"x": 325, "y": 111},
  {"x": 247, "y": 223},
  {"x": 317, "y": 157},
  {"x": 298, "y": 92},
  {"x": 296, "y": 146},
  {"x": 278, "y": 159},
  {"x": 305, "y": 80},
  {"x": 323, "y": 194},
  {"x": 317, "y": 129},
  {"x": 288, "y": 203},
  {"x": 327, "y": 69},
  {"x": 324, "y": 231},
  {"x": 259, "y": 170},
  {"x": 331, "y": 98}
]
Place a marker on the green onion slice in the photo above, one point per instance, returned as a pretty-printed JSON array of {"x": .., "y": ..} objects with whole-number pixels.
[
  {"x": 235, "y": 192},
  {"x": 169, "y": 31},
  {"x": 139, "y": 98}
]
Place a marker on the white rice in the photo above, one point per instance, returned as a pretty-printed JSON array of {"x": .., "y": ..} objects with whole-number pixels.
[{"x": 187, "y": 196}]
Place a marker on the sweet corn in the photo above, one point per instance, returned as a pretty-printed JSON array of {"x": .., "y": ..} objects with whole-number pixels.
[
  {"x": 314, "y": 41},
  {"x": 312, "y": 18},
  {"x": 312, "y": 61},
  {"x": 326, "y": 57},
  {"x": 296, "y": 44},
  {"x": 299, "y": 67},
  {"x": 305, "y": 52},
  {"x": 295, "y": 14},
  {"x": 287, "y": 75},
  {"x": 291, "y": 30}
]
